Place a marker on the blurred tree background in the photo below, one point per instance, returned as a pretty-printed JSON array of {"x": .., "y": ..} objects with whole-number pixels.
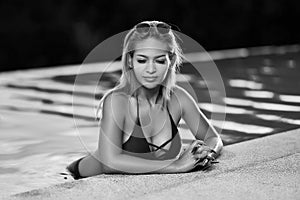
[{"x": 41, "y": 33}]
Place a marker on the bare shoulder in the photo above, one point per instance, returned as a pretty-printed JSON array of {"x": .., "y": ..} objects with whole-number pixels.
[
  {"x": 117, "y": 98},
  {"x": 182, "y": 95},
  {"x": 115, "y": 102},
  {"x": 186, "y": 101}
]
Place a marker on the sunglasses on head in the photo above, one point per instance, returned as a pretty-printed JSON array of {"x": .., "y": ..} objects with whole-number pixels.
[{"x": 161, "y": 27}]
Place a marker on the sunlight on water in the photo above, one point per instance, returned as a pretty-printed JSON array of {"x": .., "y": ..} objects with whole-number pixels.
[
  {"x": 14, "y": 147},
  {"x": 239, "y": 83},
  {"x": 262, "y": 105},
  {"x": 221, "y": 109},
  {"x": 290, "y": 98},
  {"x": 246, "y": 128},
  {"x": 259, "y": 94},
  {"x": 237, "y": 102},
  {"x": 34, "y": 172},
  {"x": 276, "y": 106},
  {"x": 278, "y": 118},
  {"x": 61, "y": 70}
]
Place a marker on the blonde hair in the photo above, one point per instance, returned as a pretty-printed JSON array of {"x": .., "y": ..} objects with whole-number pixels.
[{"x": 127, "y": 82}]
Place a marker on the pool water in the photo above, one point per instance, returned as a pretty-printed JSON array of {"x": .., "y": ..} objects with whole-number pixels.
[{"x": 42, "y": 128}]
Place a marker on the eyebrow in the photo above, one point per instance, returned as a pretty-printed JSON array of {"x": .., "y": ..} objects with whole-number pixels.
[{"x": 153, "y": 57}]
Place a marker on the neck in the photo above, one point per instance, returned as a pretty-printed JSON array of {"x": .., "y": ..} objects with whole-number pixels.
[{"x": 149, "y": 95}]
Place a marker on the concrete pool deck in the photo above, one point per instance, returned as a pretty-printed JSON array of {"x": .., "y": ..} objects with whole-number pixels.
[{"x": 263, "y": 168}]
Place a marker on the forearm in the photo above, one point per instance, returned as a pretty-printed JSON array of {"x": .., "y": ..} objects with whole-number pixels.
[
  {"x": 128, "y": 164},
  {"x": 215, "y": 143},
  {"x": 213, "y": 140}
]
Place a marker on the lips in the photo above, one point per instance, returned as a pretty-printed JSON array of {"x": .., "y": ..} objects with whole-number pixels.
[{"x": 150, "y": 78}]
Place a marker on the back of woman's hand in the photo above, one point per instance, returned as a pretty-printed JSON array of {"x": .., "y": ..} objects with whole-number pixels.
[
  {"x": 190, "y": 157},
  {"x": 203, "y": 150},
  {"x": 207, "y": 155}
]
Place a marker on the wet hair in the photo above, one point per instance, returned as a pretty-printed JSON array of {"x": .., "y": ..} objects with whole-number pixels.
[{"x": 128, "y": 83}]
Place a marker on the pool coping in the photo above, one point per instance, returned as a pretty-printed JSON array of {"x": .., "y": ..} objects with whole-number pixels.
[{"x": 244, "y": 168}]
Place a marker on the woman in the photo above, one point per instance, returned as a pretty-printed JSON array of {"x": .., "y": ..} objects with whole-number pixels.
[{"x": 138, "y": 127}]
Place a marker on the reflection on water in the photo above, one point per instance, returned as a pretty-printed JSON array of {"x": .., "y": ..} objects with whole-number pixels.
[
  {"x": 210, "y": 107},
  {"x": 242, "y": 128},
  {"x": 238, "y": 83},
  {"x": 259, "y": 94},
  {"x": 278, "y": 118},
  {"x": 262, "y": 105},
  {"x": 39, "y": 136},
  {"x": 290, "y": 98}
]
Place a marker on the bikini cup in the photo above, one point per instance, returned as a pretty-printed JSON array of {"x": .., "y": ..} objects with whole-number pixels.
[{"x": 138, "y": 145}]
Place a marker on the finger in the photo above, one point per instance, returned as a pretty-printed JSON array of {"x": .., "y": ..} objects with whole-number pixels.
[
  {"x": 200, "y": 157},
  {"x": 206, "y": 166},
  {"x": 196, "y": 142},
  {"x": 210, "y": 156},
  {"x": 206, "y": 147},
  {"x": 197, "y": 156},
  {"x": 197, "y": 161},
  {"x": 201, "y": 142},
  {"x": 204, "y": 154},
  {"x": 201, "y": 162},
  {"x": 203, "y": 148},
  {"x": 205, "y": 162},
  {"x": 195, "y": 145}
]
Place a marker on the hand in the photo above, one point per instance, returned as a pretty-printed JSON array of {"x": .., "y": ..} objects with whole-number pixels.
[
  {"x": 203, "y": 150},
  {"x": 189, "y": 159},
  {"x": 206, "y": 154}
]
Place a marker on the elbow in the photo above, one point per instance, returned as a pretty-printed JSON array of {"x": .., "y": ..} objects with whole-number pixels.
[
  {"x": 111, "y": 168},
  {"x": 108, "y": 163},
  {"x": 107, "y": 169}
]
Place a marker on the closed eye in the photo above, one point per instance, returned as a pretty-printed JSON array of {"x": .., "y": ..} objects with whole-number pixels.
[
  {"x": 161, "y": 61},
  {"x": 141, "y": 61}
]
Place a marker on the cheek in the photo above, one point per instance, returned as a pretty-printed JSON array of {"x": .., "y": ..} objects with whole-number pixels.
[
  {"x": 164, "y": 68},
  {"x": 137, "y": 72},
  {"x": 164, "y": 72},
  {"x": 138, "y": 68},
  {"x": 135, "y": 63}
]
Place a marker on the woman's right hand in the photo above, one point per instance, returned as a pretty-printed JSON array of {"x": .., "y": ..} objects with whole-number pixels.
[{"x": 189, "y": 159}]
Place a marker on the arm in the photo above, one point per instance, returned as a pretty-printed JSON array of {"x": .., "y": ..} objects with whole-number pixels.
[
  {"x": 198, "y": 123},
  {"x": 111, "y": 139}
]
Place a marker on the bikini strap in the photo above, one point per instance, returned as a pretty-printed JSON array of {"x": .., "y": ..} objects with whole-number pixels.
[
  {"x": 172, "y": 123},
  {"x": 138, "y": 112},
  {"x": 158, "y": 147}
]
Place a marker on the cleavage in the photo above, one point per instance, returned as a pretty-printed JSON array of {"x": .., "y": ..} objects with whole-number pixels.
[{"x": 156, "y": 124}]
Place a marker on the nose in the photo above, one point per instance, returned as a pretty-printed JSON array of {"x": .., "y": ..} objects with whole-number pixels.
[{"x": 151, "y": 68}]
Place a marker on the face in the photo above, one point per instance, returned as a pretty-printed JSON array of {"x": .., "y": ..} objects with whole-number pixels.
[{"x": 150, "y": 62}]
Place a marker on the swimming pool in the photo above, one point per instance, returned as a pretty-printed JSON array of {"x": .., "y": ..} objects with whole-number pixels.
[{"x": 39, "y": 136}]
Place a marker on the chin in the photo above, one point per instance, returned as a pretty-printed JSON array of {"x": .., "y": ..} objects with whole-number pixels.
[{"x": 151, "y": 85}]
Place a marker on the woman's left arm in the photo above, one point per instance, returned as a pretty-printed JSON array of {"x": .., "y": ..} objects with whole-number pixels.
[{"x": 198, "y": 123}]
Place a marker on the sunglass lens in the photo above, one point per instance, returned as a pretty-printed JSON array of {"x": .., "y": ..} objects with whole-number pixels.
[
  {"x": 163, "y": 28},
  {"x": 143, "y": 28}
]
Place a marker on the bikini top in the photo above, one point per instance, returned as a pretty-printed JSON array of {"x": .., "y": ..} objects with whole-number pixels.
[{"x": 137, "y": 144}]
